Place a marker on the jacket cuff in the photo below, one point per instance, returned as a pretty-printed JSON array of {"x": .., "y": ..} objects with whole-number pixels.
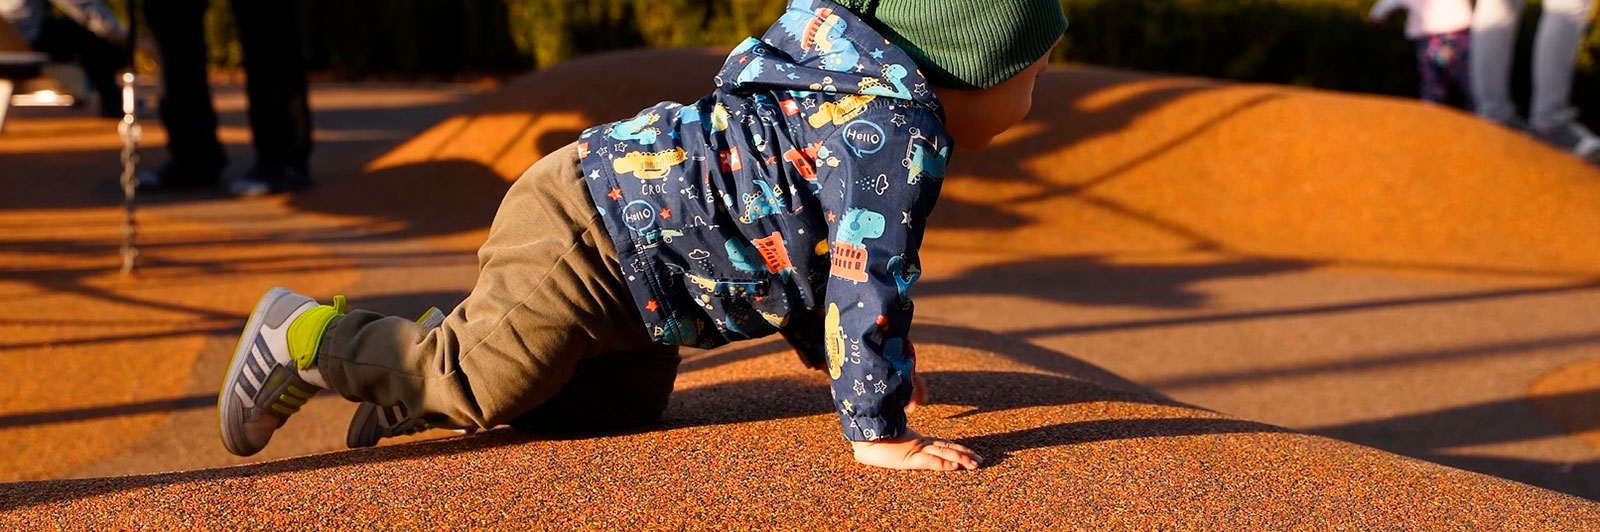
[{"x": 872, "y": 428}]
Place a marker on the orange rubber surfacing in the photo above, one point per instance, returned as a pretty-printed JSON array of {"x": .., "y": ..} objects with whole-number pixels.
[{"x": 1248, "y": 230}]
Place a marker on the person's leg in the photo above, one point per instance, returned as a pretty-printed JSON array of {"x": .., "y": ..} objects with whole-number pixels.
[
  {"x": 1433, "y": 88},
  {"x": 549, "y": 294},
  {"x": 1555, "y": 54},
  {"x": 1460, "y": 69},
  {"x": 186, "y": 110},
  {"x": 1494, "y": 38},
  {"x": 275, "y": 80}
]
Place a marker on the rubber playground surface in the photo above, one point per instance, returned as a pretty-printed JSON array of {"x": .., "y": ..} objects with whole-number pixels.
[{"x": 1159, "y": 303}]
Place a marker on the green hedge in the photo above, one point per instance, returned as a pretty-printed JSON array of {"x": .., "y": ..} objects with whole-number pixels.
[{"x": 1321, "y": 43}]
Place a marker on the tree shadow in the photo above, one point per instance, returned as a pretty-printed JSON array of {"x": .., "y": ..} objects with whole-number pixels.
[
  {"x": 465, "y": 166},
  {"x": 408, "y": 304},
  {"x": 985, "y": 392},
  {"x": 1431, "y": 436},
  {"x": 746, "y": 401},
  {"x": 1092, "y": 280},
  {"x": 1013, "y": 348},
  {"x": 75, "y": 173},
  {"x": 1069, "y": 113},
  {"x": 433, "y": 197}
]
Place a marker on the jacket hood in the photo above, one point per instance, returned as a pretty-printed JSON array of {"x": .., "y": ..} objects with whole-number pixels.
[{"x": 819, "y": 46}]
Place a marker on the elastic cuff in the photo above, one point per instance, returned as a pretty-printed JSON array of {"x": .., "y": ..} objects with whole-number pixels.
[{"x": 869, "y": 428}]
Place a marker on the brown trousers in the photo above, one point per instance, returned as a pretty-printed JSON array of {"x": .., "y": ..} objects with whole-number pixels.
[{"x": 549, "y": 336}]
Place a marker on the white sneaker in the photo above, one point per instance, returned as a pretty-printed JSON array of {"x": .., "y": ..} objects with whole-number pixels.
[
  {"x": 249, "y": 188},
  {"x": 1574, "y": 138}
]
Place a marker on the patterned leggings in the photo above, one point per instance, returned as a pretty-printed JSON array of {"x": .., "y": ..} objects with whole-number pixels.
[{"x": 1442, "y": 60}]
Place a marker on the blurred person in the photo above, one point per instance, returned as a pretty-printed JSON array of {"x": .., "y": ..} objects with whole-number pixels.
[
  {"x": 89, "y": 34},
  {"x": 275, "y": 84},
  {"x": 1552, "y": 118},
  {"x": 1440, "y": 30},
  {"x": 791, "y": 200}
]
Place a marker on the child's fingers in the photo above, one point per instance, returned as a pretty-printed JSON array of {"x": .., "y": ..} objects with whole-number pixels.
[
  {"x": 956, "y": 446},
  {"x": 925, "y": 460},
  {"x": 967, "y": 460},
  {"x": 961, "y": 449}
]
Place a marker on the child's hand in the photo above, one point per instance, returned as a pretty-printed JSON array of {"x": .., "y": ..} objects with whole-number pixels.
[{"x": 913, "y": 451}]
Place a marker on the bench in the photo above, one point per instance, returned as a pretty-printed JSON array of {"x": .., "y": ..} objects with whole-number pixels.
[{"x": 16, "y": 67}]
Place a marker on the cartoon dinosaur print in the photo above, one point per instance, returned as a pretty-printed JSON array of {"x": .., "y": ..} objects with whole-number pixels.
[
  {"x": 850, "y": 256},
  {"x": 653, "y": 165},
  {"x": 859, "y": 225},
  {"x": 833, "y": 341},
  {"x": 904, "y": 274},
  {"x": 751, "y": 71},
  {"x": 744, "y": 46},
  {"x": 688, "y": 114},
  {"x": 921, "y": 162},
  {"x": 895, "y": 74},
  {"x": 823, "y": 31},
  {"x": 679, "y": 332},
  {"x": 837, "y": 113},
  {"x": 739, "y": 254},
  {"x": 758, "y": 205},
  {"x": 637, "y": 129}
]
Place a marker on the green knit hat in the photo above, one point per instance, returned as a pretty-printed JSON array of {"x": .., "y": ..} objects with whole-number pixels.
[{"x": 966, "y": 44}]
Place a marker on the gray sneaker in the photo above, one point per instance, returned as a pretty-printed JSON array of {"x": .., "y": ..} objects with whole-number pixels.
[
  {"x": 264, "y": 384},
  {"x": 374, "y": 422},
  {"x": 249, "y": 188},
  {"x": 1574, "y": 138}
]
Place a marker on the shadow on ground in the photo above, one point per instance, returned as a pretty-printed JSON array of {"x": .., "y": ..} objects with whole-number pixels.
[
  {"x": 1431, "y": 436},
  {"x": 757, "y": 400},
  {"x": 394, "y": 304}
]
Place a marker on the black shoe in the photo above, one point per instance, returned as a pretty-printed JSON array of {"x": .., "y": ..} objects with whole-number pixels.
[
  {"x": 177, "y": 175},
  {"x": 270, "y": 179}
]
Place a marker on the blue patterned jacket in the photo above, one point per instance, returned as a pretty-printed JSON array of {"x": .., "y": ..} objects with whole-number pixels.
[{"x": 790, "y": 200}]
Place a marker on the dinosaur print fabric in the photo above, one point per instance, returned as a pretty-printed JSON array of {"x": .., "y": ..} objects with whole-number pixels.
[{"x": 790, "y": 200}]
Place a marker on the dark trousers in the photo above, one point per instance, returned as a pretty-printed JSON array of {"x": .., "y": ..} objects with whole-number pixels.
[
  {"x": 1443, "y": 61},
  {"x": 64, "y": 40},
  {"x": 275, "y": 72}
]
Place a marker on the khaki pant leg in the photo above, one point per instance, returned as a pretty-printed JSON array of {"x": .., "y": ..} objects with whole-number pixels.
[
  {"x": 548, "y": 295},
  {"x": 616, "y": 390}
]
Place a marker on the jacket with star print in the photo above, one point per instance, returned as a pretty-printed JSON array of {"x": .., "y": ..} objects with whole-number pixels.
[{"x": 790, "y": 200}]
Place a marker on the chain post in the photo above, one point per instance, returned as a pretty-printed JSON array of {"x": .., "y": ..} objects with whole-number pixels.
[{"x": 130, "y": 131}]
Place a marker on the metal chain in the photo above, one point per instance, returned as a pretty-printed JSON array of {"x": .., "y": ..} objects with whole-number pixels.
[{"x": 130, "y": 131}]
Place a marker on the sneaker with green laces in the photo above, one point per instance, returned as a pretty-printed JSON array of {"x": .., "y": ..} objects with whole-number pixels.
[
  {"x": 373, "y": 422},
  {"x": 272, "y": 373}
]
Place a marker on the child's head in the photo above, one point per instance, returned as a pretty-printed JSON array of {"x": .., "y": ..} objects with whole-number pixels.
[
  {"x": 981, "y": 56},
  {"x": 975, "y": 116}
]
